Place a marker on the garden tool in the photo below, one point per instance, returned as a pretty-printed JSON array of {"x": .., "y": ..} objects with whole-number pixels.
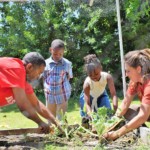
[{"x": 115, "y": 123}]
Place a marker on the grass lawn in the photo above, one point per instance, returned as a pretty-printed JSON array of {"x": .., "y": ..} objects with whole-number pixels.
[{"x": 11, "y": 117}]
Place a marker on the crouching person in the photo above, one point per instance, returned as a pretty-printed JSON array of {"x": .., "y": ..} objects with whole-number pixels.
[
  {"x": 15, "y": 75},
  {"x": 137, "y": 66},
  {"x": 94, "y": 93}
]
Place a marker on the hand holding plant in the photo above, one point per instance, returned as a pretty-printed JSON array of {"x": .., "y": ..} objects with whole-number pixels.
[{"x": 103, "y": 123}]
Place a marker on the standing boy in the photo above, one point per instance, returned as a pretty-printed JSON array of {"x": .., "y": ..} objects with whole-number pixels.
[{"x": 57, "y": 74}]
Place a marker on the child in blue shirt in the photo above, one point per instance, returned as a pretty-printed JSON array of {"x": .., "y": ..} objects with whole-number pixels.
[{"x": 56, "y": 76}]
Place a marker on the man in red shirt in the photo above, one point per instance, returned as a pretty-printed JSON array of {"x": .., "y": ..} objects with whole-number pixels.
[{"x": 15, "y": 75}]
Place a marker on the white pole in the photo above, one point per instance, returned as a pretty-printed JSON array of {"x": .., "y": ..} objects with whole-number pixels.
[
  {"x": 121, "y": 47},
  {"x": 91, "y": 2}
]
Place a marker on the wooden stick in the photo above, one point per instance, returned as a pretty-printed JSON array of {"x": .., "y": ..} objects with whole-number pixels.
[{"x": 20, "y": 131}]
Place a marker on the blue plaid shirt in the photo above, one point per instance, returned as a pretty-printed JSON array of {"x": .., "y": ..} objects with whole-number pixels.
[{"x": 56, "y": 84}]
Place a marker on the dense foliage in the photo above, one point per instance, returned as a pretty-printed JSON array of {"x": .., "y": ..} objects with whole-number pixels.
[{"x": 32, "y": 25}]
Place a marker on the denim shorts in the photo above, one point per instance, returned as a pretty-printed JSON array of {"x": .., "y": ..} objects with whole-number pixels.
[{"x": 102, "y": 100}]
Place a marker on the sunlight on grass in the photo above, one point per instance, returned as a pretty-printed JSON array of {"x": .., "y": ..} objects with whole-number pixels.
[
  {"x": 11, "y": 117},
  {"x": 74, "y": 117},
  {"x": 147, "y": 124},
  {"x": 15, "y": 120}
]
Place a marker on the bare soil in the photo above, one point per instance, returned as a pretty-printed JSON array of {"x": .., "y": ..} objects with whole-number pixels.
[{"x": 79, "y": 141}]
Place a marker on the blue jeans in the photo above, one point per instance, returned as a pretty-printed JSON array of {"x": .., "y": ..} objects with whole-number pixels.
[{"x": 102, "y": 100}]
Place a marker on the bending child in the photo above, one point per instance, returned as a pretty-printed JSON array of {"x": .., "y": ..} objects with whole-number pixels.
[
  {"x": 94, "y": 93},
  {"x": 57, "y": 74}
]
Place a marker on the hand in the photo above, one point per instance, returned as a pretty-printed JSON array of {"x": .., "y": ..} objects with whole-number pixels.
[
  {"x": 111, "y": 135},
  {"x": 115, "y": 117},
  {"x": 60, "y": 129},
  {"x": 118, "y": 113},
  {"x": 115, "y": 107},
  {"x": 94, "y": 130},
  {"x": 44, "y": 128}
]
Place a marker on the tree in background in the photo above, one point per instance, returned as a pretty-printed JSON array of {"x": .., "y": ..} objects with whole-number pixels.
[{"x": 31, "y": 26}]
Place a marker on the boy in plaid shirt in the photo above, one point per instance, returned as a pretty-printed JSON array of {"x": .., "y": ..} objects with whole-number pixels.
[{"x": 56, "y": 76}]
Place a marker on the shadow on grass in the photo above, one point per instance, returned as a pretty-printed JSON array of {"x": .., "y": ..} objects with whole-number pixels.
[
  {"x": 73, "y": 104},
  {"x": 9, "y": 108},
  {"x": 14, "y": 107}
]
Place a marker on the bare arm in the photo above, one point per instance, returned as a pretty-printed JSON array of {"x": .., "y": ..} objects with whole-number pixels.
[
  {"x": 112, "y": 89},
  {"x": 137, "y": 120},
  {"x": 132, "y": 124},
  {"x": 24, "y": 105},
  {"x": 69, "y": 73},
  {"x": 124, "y": 105},
  {"x": 41, "y": 109},
  {"x": 27, "y": 109},
  {"x": 120, "y": 112},
  {"x": 86, "y": 89}
]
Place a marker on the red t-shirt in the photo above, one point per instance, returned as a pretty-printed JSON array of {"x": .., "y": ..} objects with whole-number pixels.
[
  {"x": 12, "y": 74},
  {"x": 142, "y": 90}
]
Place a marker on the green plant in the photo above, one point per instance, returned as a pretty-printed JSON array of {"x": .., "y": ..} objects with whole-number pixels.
[
  {"x": 147, "y": 124},
  {"x": 102, "y": 122}
]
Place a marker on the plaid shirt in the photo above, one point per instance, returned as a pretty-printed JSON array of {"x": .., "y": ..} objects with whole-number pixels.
[{"x": 56, "y": 84}]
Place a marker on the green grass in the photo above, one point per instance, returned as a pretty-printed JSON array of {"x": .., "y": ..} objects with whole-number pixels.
[{"x": 11, "y": 117}]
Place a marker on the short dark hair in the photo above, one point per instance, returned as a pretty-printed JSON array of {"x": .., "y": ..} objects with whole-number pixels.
[
  {"x": 57, "y": 43},
  {"x": 34, "y": 58}
]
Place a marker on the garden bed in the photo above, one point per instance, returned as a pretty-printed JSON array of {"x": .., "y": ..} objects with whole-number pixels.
[{"x": 80, "y": 141}]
